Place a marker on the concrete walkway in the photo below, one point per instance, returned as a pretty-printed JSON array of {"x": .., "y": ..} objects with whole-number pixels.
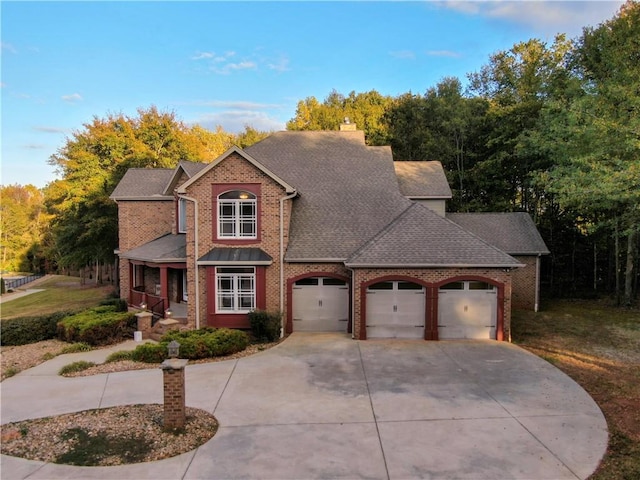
[{"x": 326, "y": 406}]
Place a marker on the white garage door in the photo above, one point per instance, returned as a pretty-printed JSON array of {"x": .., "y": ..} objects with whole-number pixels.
[
  {"x": 395, "y": 310},
  {"x": 320, "y": 304},
  {"x": 467, "y": 310}
]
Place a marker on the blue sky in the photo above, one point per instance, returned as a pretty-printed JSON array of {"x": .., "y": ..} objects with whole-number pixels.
[{"x": 237, "y": 63}]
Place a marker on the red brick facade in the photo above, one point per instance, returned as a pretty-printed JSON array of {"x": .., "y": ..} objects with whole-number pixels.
[
  {"x": 143, "y": 221},
  {"x": 525, "y": 286}
]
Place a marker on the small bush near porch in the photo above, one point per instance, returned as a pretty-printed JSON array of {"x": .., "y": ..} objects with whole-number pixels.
[
  {"x": 194, "y": 345},
  {"x": 265, "y": 326},
  {"x": 101, "y": 325}
]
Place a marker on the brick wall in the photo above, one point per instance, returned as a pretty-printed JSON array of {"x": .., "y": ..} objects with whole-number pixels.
[
  {"x": 524, "y": 283},
  {"x": 430, "y": 277},
  {"x": 235, "y": 170},
  {"x": 140, "y": 222}
]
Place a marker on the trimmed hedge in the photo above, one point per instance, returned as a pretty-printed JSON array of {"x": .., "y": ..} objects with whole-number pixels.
[
  {"x": 102, "y": 325},
  {"x": 25, "y": 330},
  {"x": 265, "y": 325},
  {"x": 120, "y": 304},
  {"x": 194, "y": 344}
]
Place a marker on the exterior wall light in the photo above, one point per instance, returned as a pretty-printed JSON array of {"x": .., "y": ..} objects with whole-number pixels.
[{"x": 143, "y": 306}]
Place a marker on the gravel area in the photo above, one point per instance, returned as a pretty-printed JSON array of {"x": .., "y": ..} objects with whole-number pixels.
[
  {"x": 15, "y": 359},
  {"x": 109, "y": 436}
]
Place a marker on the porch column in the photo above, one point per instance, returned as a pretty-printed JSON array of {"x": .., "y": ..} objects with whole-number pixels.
[{"x": 164, "y": 284}]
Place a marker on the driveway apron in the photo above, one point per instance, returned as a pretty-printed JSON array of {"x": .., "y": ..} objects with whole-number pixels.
[{"x": 326, "y": 406}]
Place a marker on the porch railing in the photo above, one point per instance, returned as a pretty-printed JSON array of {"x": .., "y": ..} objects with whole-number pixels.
[{"x": 155, "y": 304}]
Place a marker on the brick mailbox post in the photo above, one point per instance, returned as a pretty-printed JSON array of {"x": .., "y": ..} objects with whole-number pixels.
[{"x": 173, "y": 380}]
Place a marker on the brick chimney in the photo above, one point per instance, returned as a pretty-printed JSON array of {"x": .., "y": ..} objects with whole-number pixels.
[{"x": 347, "y": 126}]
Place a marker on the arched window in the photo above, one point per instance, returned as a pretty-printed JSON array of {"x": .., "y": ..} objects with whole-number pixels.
[{"x": 237, "y": 215}]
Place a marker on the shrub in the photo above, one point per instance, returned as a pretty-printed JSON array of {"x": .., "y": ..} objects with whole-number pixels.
[
  {"x": 149, "y": 353},
  {"x": 119, "y": 356},
  {"x": 76, "y": 347},
  {"x": 119, "y": 303},
  {"x": 78, "y": 366},
  {"x": 194, "y": 344},
  {"x": 101, "y": 325},
  {"x": 25, "y": 330},
  {"x": 265, "y": 325}
]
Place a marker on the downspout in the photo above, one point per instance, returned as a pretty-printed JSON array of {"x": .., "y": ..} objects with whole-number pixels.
[
  {"x": 353, "y": 303},
  {"x": 282, "y": 285},
  {"x": 195, "y": 256},
  {"x": 537, "y": 295}
]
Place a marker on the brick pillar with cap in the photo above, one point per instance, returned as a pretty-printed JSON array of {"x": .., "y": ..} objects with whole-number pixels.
[{"x": 174, "y": 398}]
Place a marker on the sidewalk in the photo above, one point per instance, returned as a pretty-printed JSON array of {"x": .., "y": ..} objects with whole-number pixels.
[{"x": 21, "y": 292}]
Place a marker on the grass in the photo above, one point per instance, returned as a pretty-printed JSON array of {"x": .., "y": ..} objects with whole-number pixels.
[
  {"x": 76, "y": 348},
  {"x": 599, "y": 347},
  {"x": 60, "y": 293},
  {"x": 74, "y": 367}
]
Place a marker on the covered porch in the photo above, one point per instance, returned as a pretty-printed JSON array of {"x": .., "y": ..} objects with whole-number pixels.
[{"x": 157, "y": 273}]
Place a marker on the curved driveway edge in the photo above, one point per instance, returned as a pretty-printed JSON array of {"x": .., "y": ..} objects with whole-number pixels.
[{"x": 326, "y": 406}]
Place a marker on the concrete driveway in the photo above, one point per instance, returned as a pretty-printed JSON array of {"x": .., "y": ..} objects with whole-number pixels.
[{"x": 326, "y": 406}]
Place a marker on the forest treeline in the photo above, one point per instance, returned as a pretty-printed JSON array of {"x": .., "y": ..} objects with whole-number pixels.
[{"x": 549, "y": 128}]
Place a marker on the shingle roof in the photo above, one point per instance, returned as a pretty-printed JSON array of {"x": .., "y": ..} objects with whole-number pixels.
[
  {"x": 420, "y": 237},
  {"x": 165, "y": 249},
  {"x": 235, "y": 256},
  {"x": 422, "y": 179},
  {"x": 514, "y": 233},
  {"x": 143, "y": 183},
  {"x": 347, "y": 190}
]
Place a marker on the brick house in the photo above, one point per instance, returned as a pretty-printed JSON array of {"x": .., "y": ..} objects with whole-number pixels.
[{"x": 330, "y": 232}]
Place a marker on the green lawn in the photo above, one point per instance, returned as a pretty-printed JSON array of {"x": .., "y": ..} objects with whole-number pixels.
[
  {"x": 599, "y": 347},
  {"x": 59, "y": 293}
]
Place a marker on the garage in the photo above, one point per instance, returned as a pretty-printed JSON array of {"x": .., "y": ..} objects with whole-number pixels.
[
  {"x": 320, "y": 304},
  {"x": 467, "y": 309},
  {"x": 395, "y": 309}
]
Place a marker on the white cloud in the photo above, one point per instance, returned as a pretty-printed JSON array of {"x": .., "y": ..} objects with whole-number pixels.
[
  {"x": 228, "y": 68},
  {"x": 403, "y": 54},
  {"x": 547, "y": 16},
  {"x": 235, "y": 120},
  {"x": 8, "y": 47},
  {"x": 203, "y": 56},
  {"x": 226, "y": 63},
  {"x": 45, "y": 129},
  {"x": 234, "y": 104},
  {"x": 34, "y": 146},
  {"x": 74, "y": 97},
  {"x": 443, "y": 53},
  {"x": 281, "y": 65}
]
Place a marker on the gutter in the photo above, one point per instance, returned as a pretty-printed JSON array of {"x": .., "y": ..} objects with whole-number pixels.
[
  {"x": 536, "y": 305},
  {"x": 282, "y": 285},
  {"x": 195, "y": 256}
]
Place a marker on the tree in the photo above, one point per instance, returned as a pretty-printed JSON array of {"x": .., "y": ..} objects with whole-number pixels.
[
  {"x": 22, "y": 224},
  {"x": 364, "y": 109},
  {"x": 596, "y": 137},
  {"x": 517, "y": 83}
]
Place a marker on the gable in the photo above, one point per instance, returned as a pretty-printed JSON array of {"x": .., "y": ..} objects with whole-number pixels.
[
  {"x": 422, "y": 180},
  {"x": 421, "y": 238},
  {"x": 234, "y": 151}
]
